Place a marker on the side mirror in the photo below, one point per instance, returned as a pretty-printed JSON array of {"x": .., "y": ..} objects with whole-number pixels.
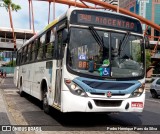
[
  {"x": 146, "y": 41},
  {"x": 65, "y": 35}
]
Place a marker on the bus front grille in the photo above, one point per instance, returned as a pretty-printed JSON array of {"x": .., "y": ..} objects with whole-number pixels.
[
  {"x": 108, "y": 103},
  {"x": 104, "y": 94}
]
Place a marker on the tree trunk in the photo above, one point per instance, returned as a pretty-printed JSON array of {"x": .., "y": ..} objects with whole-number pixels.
[{"x": 11, "y": 23}]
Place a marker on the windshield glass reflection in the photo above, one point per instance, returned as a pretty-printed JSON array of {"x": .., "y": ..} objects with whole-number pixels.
[{"x": 123, "y": 58}]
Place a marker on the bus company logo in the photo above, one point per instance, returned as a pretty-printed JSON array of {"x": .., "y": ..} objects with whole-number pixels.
[
  {"x": 6, "y": 128},
  {"x": 109, "y": 94}
]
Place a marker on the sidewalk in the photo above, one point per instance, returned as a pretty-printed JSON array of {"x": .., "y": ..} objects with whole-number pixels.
[{"x": 4, "y": 119}]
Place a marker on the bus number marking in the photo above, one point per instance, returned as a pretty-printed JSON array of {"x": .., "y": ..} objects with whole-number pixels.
[
  {"x": 83, "y": 65},
  {"x": 23, "y": 70},
  {"x": 40, "y": 70}
]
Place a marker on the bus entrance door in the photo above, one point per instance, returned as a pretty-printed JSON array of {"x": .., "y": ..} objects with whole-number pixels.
[{"x": 57, "y": 96}]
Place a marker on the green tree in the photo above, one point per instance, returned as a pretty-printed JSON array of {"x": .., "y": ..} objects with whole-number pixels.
[
  {"x": 8, "y": 4},
  {"x": 148, "y": 58},
  {"x": 11, "y": 64},
  {"x": 11, "y": 7}
]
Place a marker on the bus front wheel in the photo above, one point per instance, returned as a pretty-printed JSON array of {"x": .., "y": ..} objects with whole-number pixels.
[{"x": 46, "y": 106}]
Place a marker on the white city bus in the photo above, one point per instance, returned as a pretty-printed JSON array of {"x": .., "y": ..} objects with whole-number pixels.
[{"x": 85, "y": 61}]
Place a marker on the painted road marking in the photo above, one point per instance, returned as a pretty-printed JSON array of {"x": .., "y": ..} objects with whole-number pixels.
[{"x": 153, "y": 101}]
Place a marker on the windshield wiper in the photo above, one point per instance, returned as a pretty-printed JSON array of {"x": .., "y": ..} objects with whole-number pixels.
[
  {"x": 96, "y": 36},
  {"x": 124, "y": 42}
]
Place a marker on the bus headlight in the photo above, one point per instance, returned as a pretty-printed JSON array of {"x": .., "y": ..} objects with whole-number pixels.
[
  {"x": 137, "y": 92},
  {"x": 74, "y": 88}
]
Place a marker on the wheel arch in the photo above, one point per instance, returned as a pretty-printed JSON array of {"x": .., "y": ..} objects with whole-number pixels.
[
  {"x": 20, "y": 81},
  {"x": 153, "y": 90},
  {"x": 44, "y": 85}
]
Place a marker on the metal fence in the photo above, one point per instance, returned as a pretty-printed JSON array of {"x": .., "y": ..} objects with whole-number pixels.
[{"x": 8, "y": 70}]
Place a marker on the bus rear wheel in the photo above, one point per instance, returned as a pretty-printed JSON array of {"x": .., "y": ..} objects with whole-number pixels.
[
  {"x": 46, "y": 106},
  {"x": 21, "y": 93}
]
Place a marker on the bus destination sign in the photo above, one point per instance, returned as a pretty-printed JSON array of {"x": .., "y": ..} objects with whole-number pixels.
[{"x": 107, "y": 20}]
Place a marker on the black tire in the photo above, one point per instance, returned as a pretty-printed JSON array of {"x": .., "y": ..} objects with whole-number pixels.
[
  {"x": 154, "y": 94},
  {"x": 46, "y": 106},
  {"x": 21, "y": 93}
]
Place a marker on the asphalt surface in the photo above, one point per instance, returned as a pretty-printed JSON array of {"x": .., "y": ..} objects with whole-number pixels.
[{"x": 26, "y": 111}]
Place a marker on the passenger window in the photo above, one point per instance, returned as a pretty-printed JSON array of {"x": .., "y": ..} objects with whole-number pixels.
[
  {"x": 34, "y": 49},
  {"x": 59, "y": 44},
  {"x": 24, "y": 54},
  {"x": 50, "y": 44},
  {"x": 20, "y": 57},
  {"x": 40, "y": 47},
  {"x": 29, "y": 52}
]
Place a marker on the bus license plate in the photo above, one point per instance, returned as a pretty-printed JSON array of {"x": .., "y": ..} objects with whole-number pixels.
[{"x": 137, "y": 104}]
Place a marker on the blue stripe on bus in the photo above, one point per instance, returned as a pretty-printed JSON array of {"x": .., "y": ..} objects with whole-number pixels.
[{"x": 102, "y": 86}]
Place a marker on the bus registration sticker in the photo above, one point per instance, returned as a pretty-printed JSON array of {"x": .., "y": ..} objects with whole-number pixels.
[{"x": 137, "y": 104}]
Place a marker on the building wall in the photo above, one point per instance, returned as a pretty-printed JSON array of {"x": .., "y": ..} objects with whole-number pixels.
[
  {"x": 157, "y": 13},
  {"x": 7, "y": 56},
  {"x": 130, "y": 5},
  {"x": 149, "y": 9},
  {"x": 152, "y": 10}
]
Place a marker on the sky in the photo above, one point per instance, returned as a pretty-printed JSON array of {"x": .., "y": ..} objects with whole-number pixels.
[{"x": 21, "y": 18}]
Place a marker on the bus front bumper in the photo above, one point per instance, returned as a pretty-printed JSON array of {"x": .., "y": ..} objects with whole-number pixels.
[{"x": 73, "y": 103}]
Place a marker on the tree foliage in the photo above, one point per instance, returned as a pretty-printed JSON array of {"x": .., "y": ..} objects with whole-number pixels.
[
  {"x": 13, "y": 6},
  {"x": 11, "y": 64},
  {"x": 148, "y": 58}
]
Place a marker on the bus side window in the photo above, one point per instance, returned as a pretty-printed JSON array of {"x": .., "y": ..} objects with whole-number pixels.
[
  {"x": 20, "y": 57},
  {"x": 26, "y": 57},
  {"x": 24, "y": 54},
  {"x": 50, "y": 44},
  {"x": 59, "y": 45},
  {"x": 29, "y": 52},
  {"x": 17, "y": 58},
  {"x": 33, "y": 52},
  {"x": 40, "y": 47}
]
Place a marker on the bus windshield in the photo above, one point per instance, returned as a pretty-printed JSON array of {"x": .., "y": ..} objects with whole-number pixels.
[{"x": 120, "y": 56}]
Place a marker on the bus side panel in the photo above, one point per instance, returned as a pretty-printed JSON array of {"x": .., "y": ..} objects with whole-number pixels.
[
  {"x": 26, "y": 77},
  {"x": 49, "y": 77},
  {"x": 16, "y": 76},
  {"x": 38, "y": 71}
]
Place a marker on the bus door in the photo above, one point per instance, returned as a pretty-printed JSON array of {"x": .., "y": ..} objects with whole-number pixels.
[{"x": 58, "y": 80}]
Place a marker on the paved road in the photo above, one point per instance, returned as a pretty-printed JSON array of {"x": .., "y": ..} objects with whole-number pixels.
[{"x": 26, "y": 111}]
